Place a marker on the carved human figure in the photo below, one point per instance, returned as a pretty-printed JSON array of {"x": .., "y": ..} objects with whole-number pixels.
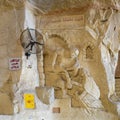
[
  {"x": 91, "y": 94},
  {"x": 70, "y": 64},
  {"x": 67, "y": 64}
]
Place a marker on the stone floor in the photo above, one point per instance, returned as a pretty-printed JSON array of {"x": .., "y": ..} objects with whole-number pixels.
[{"x": 66, "y": 113}]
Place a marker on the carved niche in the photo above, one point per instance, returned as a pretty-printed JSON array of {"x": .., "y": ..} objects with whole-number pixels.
[{"x": 89, "y": 52}]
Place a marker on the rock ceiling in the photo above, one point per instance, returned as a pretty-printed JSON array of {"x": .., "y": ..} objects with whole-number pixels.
[{"x": 52, "y": 6}]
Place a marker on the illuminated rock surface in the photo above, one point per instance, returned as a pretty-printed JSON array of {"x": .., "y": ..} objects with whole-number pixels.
[{"x": 78, "y": 60}]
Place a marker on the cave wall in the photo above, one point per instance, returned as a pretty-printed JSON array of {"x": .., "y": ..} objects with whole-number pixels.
[
  {"x": 73, "y": 76},
  {"x": 11, "y": 24}
]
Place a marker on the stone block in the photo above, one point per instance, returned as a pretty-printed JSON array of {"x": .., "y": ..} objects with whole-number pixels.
[
  {"x": 45, "y": 94},
  {"x": 56, "y": 110}
]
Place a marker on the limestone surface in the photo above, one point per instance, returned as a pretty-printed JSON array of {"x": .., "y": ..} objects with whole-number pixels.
[{"x": 75, "y": 70}]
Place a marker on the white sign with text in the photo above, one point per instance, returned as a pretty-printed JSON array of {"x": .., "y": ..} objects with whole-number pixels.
[{"x": 14, "y": 63}]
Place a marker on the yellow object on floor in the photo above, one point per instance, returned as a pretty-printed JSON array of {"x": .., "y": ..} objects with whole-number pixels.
[{"x": 29, "y": 101}]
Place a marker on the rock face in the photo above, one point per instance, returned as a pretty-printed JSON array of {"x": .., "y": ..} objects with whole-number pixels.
[
  {"x": 6, "y": 105},
  {"x": 6, "y": 98},
  {"x": 11, "y": 22},
  {"x": 77, "y": 63}
]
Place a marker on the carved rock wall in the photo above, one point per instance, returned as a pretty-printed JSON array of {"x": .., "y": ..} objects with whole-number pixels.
[
  {"x": 79, "y": 55},
  {"x": 72, "y": 45},
  {"x": 11, "y": 24}
]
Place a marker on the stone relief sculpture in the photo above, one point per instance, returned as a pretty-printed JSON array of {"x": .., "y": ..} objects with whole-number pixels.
[
  {"x": 105, "y": 31},
  {"x": 67, "y": 65},
  {"x": 72, "y": 81},
  {"x": 91, "y": 94},
  {"x": 63, "y": 59},
  {"x": 85, "y": 91}
]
